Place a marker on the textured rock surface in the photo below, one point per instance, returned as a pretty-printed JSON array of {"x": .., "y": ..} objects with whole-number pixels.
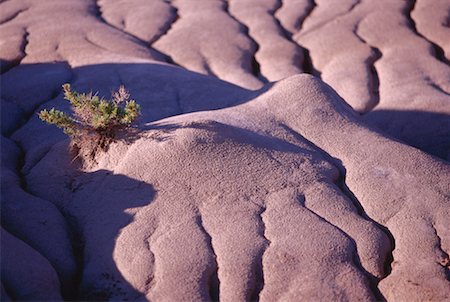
[
  {"x": 235, "y": 188},
  {"x": 206, "y": 39},
  {"x": 432, "y": 23},
  {"x": 277, "y": 56},
  {"x": 25, "y": 273}
]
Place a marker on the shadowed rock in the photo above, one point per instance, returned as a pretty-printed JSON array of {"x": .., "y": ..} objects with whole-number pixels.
[
  {"x": 289, "y": 190},
  {"x": 25, "y": 273}
]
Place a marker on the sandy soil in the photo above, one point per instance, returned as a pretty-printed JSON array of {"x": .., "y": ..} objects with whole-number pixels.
[{"x": 287, "y": 150}]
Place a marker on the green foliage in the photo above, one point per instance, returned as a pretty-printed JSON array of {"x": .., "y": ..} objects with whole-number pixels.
[
  {"x": 60, "y": 119},
  {"x": 94, "y": 118}
]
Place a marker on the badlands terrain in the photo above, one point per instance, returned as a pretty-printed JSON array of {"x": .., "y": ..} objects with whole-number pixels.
[{"x": 287, "y": 150}]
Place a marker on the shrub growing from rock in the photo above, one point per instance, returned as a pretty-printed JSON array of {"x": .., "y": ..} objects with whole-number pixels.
[{"x": 95, "y": 121}]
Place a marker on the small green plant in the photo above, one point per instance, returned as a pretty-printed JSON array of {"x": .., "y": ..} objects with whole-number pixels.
[{"x": 96, "y": 121}]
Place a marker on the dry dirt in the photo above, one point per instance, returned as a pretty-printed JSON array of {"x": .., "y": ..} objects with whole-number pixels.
[{"x": 288, "y": 150}]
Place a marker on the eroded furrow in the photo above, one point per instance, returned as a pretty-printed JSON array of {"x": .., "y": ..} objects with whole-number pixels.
[
  {"x": 166, "y": 30},
  {"x": 334, "y": 202},
  {"x": 399, "y": 206},
  {"x": 82, "y": 19},
  {"x": 31, "y": 103},
  {"x": 290, "y": 16},
  {"x": 292, "y": 13},
  {"x": 150, "y": 281},
  {"x": 68, "y": 260},
  {"x": 373, "y": 250},
  {"x": 47, "y": 94},
  {"x": 213, "y": 279},
  {"x": 34, "y": 220},
  {"x": 227, "y": 52},
  {"x": 14, "y": 35},
  {"x": 143, "y": 20},
  {"x": 385, "y": 268},
  {"x": 23, "y": 47},
  {"x": 169, "y": 27},
  {"x": 433, "y": 22},
  {"x": 357, "y": 262},
  {"x": 224, "y": 204},
  {"x": 444, "y": 259},
  {"x": 66, "y": 255},
  {"x": 259, "y": 263},
  {"x": 146, "y": 20},
  {"x": 388, "y": 257},
  {"x": 385, "y": 253},
  {"x": 309, "y": 13},
  {"x": 19, "y": 256},
  {"x": 353, "y": 6},
  {"x": 185, "y": 264},
  {"x": 278, "y": 57},
  {"x": 3, "y": 21},
  {"x": 439, "y": 52},
  {"x": 322, "y": 14},
  {"x": 256, "y": 66},
  {"x": 374, "y": 82},
  {"x": 340, "y": 56},
  {"x": 289, "y": 33},
  {"x": 238, "y": 274},
  {"x": 13, "y": 57},
  {"x": 411, "y": 93},
  {"x": 288, "y": 255},
  {"x": 157, "y": 54}
]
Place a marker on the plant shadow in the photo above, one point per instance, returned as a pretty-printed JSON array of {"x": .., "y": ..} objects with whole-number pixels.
[
  {"x": 98, "y": 211},
  {"x": 101, "y": 200}
]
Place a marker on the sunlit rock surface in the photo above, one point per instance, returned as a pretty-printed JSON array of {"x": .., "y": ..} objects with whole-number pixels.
[{"x": 287, "y": 150}]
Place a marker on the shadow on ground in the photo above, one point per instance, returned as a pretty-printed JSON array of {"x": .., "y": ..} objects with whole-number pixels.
[
  {"x": 98, "y": 209},
  {"x": 98, "y": 214},
  {"x": 427, "y": 131},
  {"x": 165, "y": 90}
]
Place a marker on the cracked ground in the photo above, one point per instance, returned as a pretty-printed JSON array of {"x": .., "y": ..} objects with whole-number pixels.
[{"x": 288, "y": 150}]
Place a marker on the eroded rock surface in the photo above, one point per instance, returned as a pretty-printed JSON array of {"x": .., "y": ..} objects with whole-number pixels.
[{"x": 238, "y": 190}]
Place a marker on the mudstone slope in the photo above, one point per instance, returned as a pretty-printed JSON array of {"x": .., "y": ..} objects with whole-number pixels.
[{"x": 287, "y": 150}]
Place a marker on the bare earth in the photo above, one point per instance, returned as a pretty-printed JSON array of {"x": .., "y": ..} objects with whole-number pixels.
[{"x": 288, "y": 150}]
